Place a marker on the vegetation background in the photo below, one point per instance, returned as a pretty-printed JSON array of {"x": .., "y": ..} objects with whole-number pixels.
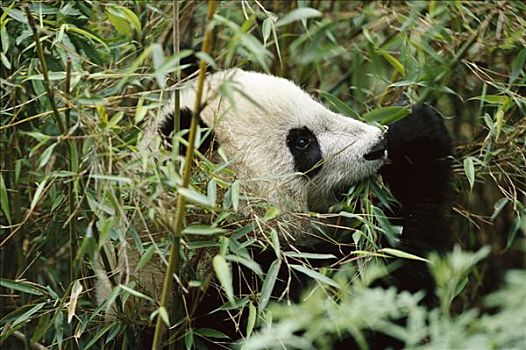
[{"x": 75, "y": 100}]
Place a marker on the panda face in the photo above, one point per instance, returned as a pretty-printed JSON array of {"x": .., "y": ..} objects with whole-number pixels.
[{"x": 285, "y": 146}]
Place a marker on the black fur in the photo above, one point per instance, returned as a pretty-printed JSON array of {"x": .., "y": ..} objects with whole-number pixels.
[
  {"x": 305, "y": 148},
  {"x": 419, "y": 176},
  {"x": 167, "y": 127}
]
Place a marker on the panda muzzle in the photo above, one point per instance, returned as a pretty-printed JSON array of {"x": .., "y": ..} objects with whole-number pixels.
[{"x": 377, "y": 151}]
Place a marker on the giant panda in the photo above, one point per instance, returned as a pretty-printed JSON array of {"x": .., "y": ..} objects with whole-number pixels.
[
  {"x": 285, "y": 146},
  {"x": 289, "y": 149}
]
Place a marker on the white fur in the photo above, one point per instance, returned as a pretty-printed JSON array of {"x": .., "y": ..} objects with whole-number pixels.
[{"x": 251, "y": 122}]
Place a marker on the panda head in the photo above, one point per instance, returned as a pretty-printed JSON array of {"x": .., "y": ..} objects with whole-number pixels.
[{"x": 285, "y": 146}]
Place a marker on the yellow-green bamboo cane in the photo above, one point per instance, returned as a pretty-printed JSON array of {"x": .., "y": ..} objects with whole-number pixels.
[{"x": 173, "y": 261}]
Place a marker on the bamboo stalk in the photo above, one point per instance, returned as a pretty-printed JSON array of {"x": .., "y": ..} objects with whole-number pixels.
[
  {"x": 177, "y": 308},
  {"x": 71, "y": 197},
  {"x": 43, "y": 65},
  {"x": 173, "y": 262},
  {"x": 177, "y": 96}
]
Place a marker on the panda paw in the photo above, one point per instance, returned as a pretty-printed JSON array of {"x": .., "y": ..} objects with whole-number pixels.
[{"x": 419, "y": 138}]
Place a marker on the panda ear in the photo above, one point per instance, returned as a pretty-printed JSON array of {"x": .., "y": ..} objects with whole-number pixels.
[{"x": 167, "y": 127}]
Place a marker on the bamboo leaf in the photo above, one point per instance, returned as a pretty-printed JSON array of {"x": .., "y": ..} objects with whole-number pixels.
[
  {"x": 75, "y": 293},
  {"x": 189, "y": 339},
  {"x": 251, "y": 322},
  {"x": 224, "y": 275},
  {"x": 315, "y": 275},
  {"x": 164, "y": 316},
  {"x": 401, "y": 254},
  {"x": 134, "y": 292},
  {"x": 339, "y": 105},
  {"x": 392, "y": 60},
  {"x": 4, "y": 200},
  {"x": 309, "y": 255},
  {"x": 202, "y": 230},
  {"x": 297, "y": 15},
  {"x": 46, "y": 155},
  {"x": 251, "y": 264},
  {"x": 386, "y": 115},
  {"x": 266, "y": 29},
  {"x": 469, "y": 169},
  {"x": 26, "y": 316},
  {"x": 20, "y": 286},
  {"x": 38, "y": 193},
  {"x": 268, "y": 285},
  {"x": 275, "y": 242},
  {"x": 196, "y": 197},
  {"x": 234, "y": 194},
  {"x": 211, "y": 333},
  {"x": 493, "y": 99}
]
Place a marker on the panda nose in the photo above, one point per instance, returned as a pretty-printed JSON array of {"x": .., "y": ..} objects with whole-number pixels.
[{"x": 377, "y": 151}]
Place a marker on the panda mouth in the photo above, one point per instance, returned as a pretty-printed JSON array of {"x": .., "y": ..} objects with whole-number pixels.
[{"x": 378, "y": 151}]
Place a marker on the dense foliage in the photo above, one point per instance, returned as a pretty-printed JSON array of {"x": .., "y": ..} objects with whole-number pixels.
[{"x": 76, "y": 98}]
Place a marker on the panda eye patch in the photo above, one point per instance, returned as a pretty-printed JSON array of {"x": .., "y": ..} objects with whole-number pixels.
[
  {"x": 302, "y": 143},
  {"x": 306, "y": 151}
]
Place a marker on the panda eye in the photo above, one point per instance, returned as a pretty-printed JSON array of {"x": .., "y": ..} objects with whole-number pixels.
[{"x": 302, "y": 143}]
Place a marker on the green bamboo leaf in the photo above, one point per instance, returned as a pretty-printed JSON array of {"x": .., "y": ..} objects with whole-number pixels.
[
  {"x": 339, "y": 105},
  {"x": 145, "y": 257},
  {"x": 189, "y": 339},
  {"x": 499, "y": 122},
  {"x": 5, "y": 60},
  {"x": 266, "y": 29},
  {"x": 399, "y": 67},
  {"x": 21, "y": 286},
  {"x": 4, "y": 39},
  {"x": 309, "y": 255},
  {"x": 234, "y": 195},
  {"x": 517, "y": 65},
  {"x": 26, "y": 316},
  {"x": 51, "y": 76},
  {"x": 196, "y": 197},
  {"x": 88, "y": 35},
  {"x": 211, "y": 333},
  {"x": 132, "y": 18},
  {"x": 115, "y": 178},
  {"x": 401, "y": 254},
  {"x": 386, "y": 115},
  {"x": 252, "y": 313},
  {"x": 271, "y": 213},
  {"x": 44, "y": 158},
  {"x": 268, "y": 285},
  {"x": 99, "y": 334},
  {"x": 492, "y": 99},
  {"x": 251, "y": 264},
  {"x": 119, "y": 20},
  {"x": 38, "y": 193},
  {"x": 202, "y": 230},
  {"x": 499, "y": 205},
  {"x": 211, "y": 190},
  {"x": 275, "y": 242},
  {"x": 36, "y": 135},
  {"x": 134, "y": 292},
  {"x": 224, "y": 274},
  {"x": 469, "y": 169},
  {"x": 4, "y": 200},
  {"x": 315, "y": 275},
  {"x": 297, "y": 15}
]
